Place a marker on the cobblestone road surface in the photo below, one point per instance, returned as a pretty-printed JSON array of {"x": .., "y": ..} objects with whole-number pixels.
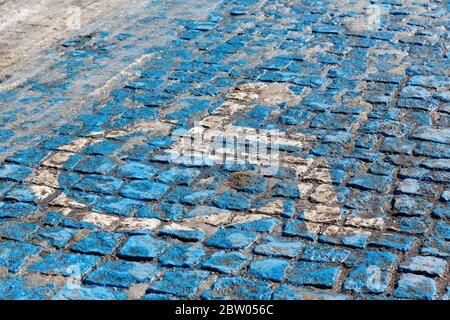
[{"x": 235, "y": 149}]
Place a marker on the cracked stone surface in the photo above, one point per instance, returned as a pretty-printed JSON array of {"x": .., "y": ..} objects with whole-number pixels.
[{"x": 228, "y": 149}]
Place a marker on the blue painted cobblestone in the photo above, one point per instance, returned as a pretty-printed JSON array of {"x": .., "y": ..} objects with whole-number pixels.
[
  {"x": 121, "y": 274},
  {"x": 96, "y": 198}
]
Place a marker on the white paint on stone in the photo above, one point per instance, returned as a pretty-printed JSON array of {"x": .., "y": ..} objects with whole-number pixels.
[
  {"x": 248, "y": 218},
  {"x": 42, "y": 192},
  {"x": 312, "y": 228},
  {"x": 76, "y": 145},
  {"x": 57, "y": 159},
  {"x": 45, "y": 177},
  {"x": 240, "y": 100},
  {"x": 320, "y": 175},
  {"x": 272, "y": 208},
  {"x": 321, "y": 213},
  {"x": 365, "y": 220},
  {"x": 104, "y": 221},
  {"x": 215, "y": 220},
  {"x": 324, "y": 193},
  {"x": 126, "y": 224},
  {"x": 177, "y": 227},
  {"x": 336, "y": 231},
  {"x": 64, "y": 201}
]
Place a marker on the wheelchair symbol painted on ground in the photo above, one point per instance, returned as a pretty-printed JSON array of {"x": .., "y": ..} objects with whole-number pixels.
[{"x": 215, "y": 140}]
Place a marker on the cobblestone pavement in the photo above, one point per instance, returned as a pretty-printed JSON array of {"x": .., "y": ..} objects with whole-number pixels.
[
  {"x": 26, "y": 28},
  {"x": 124, "y": 176}
]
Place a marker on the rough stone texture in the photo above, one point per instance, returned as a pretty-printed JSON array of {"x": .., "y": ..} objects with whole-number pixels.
[{"x": 203, "y": 149}]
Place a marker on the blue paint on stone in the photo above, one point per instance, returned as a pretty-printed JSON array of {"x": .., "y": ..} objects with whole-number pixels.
[
  {"x": 28, "y": 156},
  {"x": 395, "y": 142},
  {"x": 183, "y": 235},
  {"x": 314, "y": 274},
  {"x": 157, "y": 296},
  {"x": 206, "y": 211},
  {"x": 395, "y": 145},
  {"x": 367, "y": 279},
  {"x": 324, "y": 253},
  {"x": 14, "y": 172},
  {"x": 197, "y": 197},
  {"x": 441, "y": 211},
  {"x": 99, "y": 184},
  {"x": 442, "y": 230},
  {"x": 182, "y": 283},
  {"x": 332, "y": 121},
  {"x": 446, "y": 196},
  {"x": 293, "y": 117},
  {"x": 250, "y": 183},
  {"x": 351, "y": 238},
  {"x": 225, "y": 262},
  {"x": 118, "y": 206},
  {"x": 179, "y": 176},
  {"x": 104, "y": 148},
  {"x": 166, "y": 212},
  {"x": 80, "y": 292},
  {"x": 16, "y": 230},
  {"x": 142, "y": 247},
  {"x": 394, "y": 241},
  {"x": 121, "y": 274},
  {"x": 299, "y": 229},
  {"x": 14, "y": 254},
  {"x": 231, "y": 239},
  {"x": 238, "y": 288},
  {"x": 232, "y": 201},
  {"x": 51, "y": 218},
  {"x": 5, "y": 135},
  {"x": 56, "y": 236},
  {"x": 16, "y": 209},
  {"x": 5, "y": 187},
  {"x": 414, "y": 225},
  {"x": 261, "y": 225},
  {"x": 411, "y": 286},
  {"x": 381, "y": 259},
  {"x": 288, "y": 292},
  {"x": 412, "y": 206},
  {"x": 161, "y": 141},
  {"x": 436, "y": 247},
  {"x": 386, "y": 128},
  {"x": 144, "y": 190},
  {"x": 72, "y": 223},
  {"x": 279, "y": 247},
  {"x": 66, "y": 264},
  {"x": 18, "y": 288},
  {"x": 239, "y": 11},
  {"x": 284, "y": 189},
  {"x": 430, "y": 266},
  {"x": 414, "y": 187},
  {"x": 371, "y": 182},
  {"x": 269, "y": 269},
  {"x": 21, "y": 193},
  {"x": 381, "y": 168},
  {"x": 95, "y": 164},
  {"x": 97, "y": 242},
  {"x": 181, "y": 255},
  {"x": 136, "y": 170}
]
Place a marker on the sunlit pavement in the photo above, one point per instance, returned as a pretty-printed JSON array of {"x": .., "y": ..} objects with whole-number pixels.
[{"x": 246, "y": 149}]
